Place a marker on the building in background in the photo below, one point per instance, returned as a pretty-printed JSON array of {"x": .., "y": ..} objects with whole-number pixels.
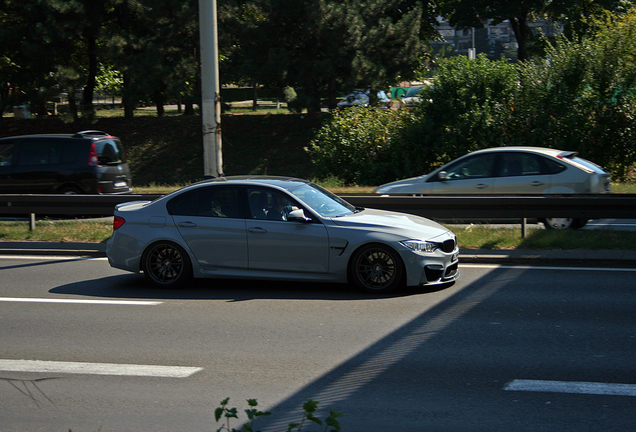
[{"x": 494, "y": 40}]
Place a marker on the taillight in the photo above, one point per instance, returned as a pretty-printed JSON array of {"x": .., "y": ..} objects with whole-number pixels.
[
  {"x": 92, "y": 156},
  {"x": 118, "y": 222}
]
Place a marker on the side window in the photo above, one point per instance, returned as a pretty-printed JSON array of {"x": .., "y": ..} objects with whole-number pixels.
[
  {"x": 517, "y": 164},
  {"x": 6, "y": 154},
  {"x": 208, "y": 202},
  {"x": 479, "y": 166},
  {"x": 184, "y": 204},
  {"x": 219, "y": 202},
  {"x": 270, "y": 205},
  {"x": 34, "y": 153},
  {"x": 551, "y": 167}
]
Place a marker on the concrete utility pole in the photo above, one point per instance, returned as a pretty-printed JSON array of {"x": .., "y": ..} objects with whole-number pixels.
[{"x": 210, "y": 90}]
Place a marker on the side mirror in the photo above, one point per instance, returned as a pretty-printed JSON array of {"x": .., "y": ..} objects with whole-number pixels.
[
  {"x": 298, "y": 216},
  {"x": 442, "y": 175}
]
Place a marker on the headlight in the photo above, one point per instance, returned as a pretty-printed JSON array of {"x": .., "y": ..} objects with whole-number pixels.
[{"x": 420, "y": 245}]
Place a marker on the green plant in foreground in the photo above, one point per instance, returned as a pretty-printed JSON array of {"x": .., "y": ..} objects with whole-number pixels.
[{"x": 253, "y": 413}]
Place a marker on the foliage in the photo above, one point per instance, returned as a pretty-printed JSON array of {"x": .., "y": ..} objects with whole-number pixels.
[
  {"x": 356, "y": 145},
  {"x": 467, "y": 109},
  {"x": 581, "y": 97},
  {"x": 309, "y": 408}
]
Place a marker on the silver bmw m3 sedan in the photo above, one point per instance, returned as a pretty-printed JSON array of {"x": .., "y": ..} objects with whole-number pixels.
[{"x": 277, "y": 228}]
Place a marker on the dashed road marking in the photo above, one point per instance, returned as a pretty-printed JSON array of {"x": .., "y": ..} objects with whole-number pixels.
[
  {"x": 39, "y": 366},
  {"x": 80, "y": 301},
  {"x": 576, "y": 387}
]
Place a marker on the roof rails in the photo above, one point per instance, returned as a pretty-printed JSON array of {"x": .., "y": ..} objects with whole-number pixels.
[{"x": 82, "y": 134}]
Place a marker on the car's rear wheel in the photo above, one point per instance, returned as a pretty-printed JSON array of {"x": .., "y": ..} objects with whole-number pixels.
[
  {"x": 377, "y": 268},
  {"x": 70, "y": 190},
  {"x": 564, "y": 223},
  {"x": 166, "y": 265}
]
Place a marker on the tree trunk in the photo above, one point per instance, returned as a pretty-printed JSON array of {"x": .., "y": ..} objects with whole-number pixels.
[
  {"x": 255, "y": 97},
  {"x": 520, "y": 28},
  {"x": 126, "y": 99},
  {"x": 89, "y": 89}
]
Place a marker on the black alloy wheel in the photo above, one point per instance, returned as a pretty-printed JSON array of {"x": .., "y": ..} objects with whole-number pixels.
[
  {"x": 166, "y": 265},
  {"x": 377, "y": 268}
]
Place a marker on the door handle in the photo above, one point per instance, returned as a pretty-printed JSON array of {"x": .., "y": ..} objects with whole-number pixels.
[
  {"x": 257, "y": 230},
  {"x": 481, "y": 186},
  {"x": 536, "y": 183},
  {"x": 187, "y": 224}
]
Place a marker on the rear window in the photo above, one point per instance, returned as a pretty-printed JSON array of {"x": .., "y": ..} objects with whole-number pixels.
[
  {"x": 583, "y": 164},
  {"x": 110, "y": 152},
  {"x": 589, "y": 165}
]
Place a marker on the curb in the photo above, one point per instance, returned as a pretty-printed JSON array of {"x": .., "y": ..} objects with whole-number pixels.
[{"x": 53, "y": 249}]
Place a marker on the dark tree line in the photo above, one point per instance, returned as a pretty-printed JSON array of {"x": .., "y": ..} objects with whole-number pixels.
[{"x": 318, "y": 47}]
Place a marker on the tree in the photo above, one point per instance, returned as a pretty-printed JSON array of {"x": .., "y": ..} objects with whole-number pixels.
[
  {"x": 53, "y": 43},
  {"x": 574, "y": 14},
  {"x": 326, "y": 46},
  {"x": 471, "y": 13}
]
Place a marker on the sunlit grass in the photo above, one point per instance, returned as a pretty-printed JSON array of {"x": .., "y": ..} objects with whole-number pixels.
[
  {"x": 485, "y": 237},
  {"x": 91, "y": 231}
]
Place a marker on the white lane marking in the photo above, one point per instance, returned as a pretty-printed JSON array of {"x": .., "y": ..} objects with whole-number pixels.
[
  {"x": 524, "y": 267},
  {"x": 52, "y": 257},
  {"x": 97, "y": 368},
  {"x": 592, "y": 388},
  {"x": 79, "y": 301}
]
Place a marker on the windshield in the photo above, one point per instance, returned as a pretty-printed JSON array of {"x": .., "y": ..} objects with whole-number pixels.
[{"x": 323, "y": 202}]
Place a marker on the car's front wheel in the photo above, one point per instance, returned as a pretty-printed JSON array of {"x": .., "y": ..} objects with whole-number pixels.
[
  {"x": 377, "y": 268},
  {"x": 564, "y": 223},
  {"x": 166, "y": 265}
]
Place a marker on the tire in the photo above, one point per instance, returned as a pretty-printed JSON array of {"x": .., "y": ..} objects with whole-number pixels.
[
  {"x": 376, "y": 268},
  {"x": 564, "y": 223},
  {"x": 70, "y": 190},
  {"x": 166, "y": 265}
]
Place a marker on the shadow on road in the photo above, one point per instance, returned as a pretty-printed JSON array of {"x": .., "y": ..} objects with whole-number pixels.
[{"x": 134, "y": 286}]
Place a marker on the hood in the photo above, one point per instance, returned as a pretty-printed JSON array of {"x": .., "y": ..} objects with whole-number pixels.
[
  {"x": 408, "y": 186},
  {"x": 409, "y": 226}
]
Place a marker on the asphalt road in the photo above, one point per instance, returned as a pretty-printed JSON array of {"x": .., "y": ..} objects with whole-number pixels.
[{"x": 89, "y": 348}]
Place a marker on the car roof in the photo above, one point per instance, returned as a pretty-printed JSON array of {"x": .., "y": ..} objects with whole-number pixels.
[
  {"x": 282, "y": 182},
  {"x": 542, "y": 150},
  {"x": 88, "y": 134}
]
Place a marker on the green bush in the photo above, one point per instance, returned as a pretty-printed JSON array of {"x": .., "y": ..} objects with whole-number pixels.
[
  {"x": 467, "y": 109},
  {"x": 355, "y": 145}
]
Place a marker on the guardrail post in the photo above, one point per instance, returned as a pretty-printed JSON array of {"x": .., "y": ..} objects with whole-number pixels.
[
  {"x": 523, "y": 227},
  {"x": 32, "y": 222}
]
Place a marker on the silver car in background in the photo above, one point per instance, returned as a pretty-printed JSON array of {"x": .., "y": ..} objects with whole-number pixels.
[
  {"x": 511, "y": 170},
  {"x": 277, "y": 228}
]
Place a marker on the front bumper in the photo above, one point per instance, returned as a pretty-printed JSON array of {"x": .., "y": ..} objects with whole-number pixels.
[{"x": 431, "y": 269}]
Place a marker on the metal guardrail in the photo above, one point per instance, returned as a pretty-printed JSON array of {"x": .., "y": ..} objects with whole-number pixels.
[
  {"x": 602, "y": 206},
  {"x": 67, "y": 205},
  {"x": 618, "y": 206}
]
